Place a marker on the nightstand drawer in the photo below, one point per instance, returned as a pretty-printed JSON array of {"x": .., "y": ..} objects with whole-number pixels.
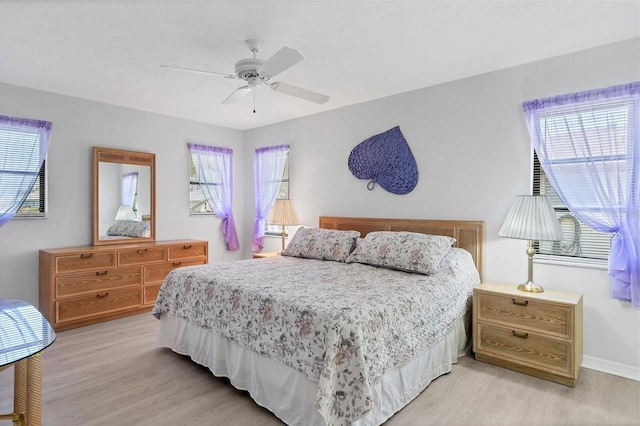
[
  {"x": 525, "y": 347},
  {"x": 525, "y": 312}
]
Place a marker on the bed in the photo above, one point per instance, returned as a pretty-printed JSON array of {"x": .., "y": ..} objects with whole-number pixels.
[{"x": 332, "y": 339}]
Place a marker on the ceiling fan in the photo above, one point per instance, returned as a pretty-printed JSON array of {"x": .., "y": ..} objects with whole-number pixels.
[{"x": 258, "y": 72}]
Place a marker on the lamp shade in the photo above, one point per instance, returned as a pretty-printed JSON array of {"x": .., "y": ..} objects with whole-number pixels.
[
  {"x": 531, "y": 217},
  {"x": 282, "y": 213},
  {"x": 125, "y": 213}
]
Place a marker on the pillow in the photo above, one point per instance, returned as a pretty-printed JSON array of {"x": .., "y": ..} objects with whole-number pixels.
[
  {"x": 323, "y": 244},
  {"x": 404, "y": 251},
  {"x": 130, "y": 228}
]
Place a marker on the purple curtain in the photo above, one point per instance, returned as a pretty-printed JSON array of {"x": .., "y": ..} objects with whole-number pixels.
[
  {"x": 23, "y": 148},
  {"x": 215, "y": 172},
  {"x": 268, "y": 169},
  {"x": 588, "y": 144}
]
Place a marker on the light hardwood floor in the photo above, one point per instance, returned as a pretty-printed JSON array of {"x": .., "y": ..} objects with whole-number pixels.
[{"x": 113, "y": 374}]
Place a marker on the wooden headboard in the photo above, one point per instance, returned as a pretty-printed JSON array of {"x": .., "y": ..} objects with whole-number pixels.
[{"x": 469, "y": 234}]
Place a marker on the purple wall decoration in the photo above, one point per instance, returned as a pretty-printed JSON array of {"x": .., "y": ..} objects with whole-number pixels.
[{"x": 386, "y": 159}]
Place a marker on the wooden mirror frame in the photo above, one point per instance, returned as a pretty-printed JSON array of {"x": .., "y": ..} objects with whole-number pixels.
[{"x": 108, "y": 155}]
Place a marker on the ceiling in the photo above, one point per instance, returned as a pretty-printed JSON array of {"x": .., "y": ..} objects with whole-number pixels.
[{"x": 354, "y": 51}]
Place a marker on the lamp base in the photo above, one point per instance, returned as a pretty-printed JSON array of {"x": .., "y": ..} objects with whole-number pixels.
[{"x": 531, "y": 287}]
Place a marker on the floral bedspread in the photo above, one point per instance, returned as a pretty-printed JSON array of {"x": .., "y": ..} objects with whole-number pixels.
[{"x": 341, "y": 325}]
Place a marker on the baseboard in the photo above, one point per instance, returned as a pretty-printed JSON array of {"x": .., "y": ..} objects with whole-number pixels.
[{"x": 611, "y": 367}]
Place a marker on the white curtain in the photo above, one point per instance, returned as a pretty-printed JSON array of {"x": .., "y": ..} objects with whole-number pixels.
[
  {"x": 215, "y": 173},
  {"x": 268, "y": 170},
  {"x": 129, "y": 189}
]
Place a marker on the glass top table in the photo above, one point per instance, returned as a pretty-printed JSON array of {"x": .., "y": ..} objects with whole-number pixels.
[{"x": 24, "y": 334}]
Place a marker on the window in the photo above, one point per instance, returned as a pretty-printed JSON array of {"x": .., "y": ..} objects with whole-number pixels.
[
  {"x": 587, "y": 142},
  {"x": 214, "y": 167},
  {"x": 283, "y": 194},
  {"x": 198, "y": 203},
  {"x": 35, "y": 205},
  {"x": 23, "y": 169},
  {"x": 580, "y": 241},
  {"x": 271, "y": 181}
]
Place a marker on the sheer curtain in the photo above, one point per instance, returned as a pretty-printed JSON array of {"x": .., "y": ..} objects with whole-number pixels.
[
  {"x": 215, "y": 172},
  {"x": 588, "y": 144},
  {"x": 128, "y": 190},
  {"x": 268, "y": 169},
  {"x": 23, "y": 148}
]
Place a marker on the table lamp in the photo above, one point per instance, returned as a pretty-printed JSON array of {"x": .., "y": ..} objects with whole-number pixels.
[
  {"x": 531, "y": 217},
  {"x": 283, "y": 214}
]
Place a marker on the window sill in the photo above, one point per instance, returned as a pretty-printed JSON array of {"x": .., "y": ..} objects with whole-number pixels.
[
  {"x": 29, "y": 217},
  {"x": 576, "y": 263}
]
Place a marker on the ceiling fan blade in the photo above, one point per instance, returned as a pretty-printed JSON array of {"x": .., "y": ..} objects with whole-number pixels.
[
  {"x": 299, "y": 92},
  {"x": 282, "y": 60},
  {"x": 230, "y": 76},
  {"x": 237, "y": 95}
]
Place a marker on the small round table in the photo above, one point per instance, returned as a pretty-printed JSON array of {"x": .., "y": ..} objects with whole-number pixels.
[{"x": 24, "y": 334}]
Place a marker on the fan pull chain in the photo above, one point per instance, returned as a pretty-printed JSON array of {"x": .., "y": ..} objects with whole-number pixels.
[{"x": 254, "y": 99}]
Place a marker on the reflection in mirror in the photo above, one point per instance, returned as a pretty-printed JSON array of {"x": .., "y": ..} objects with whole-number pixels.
[{"x": 124, "y": 196}]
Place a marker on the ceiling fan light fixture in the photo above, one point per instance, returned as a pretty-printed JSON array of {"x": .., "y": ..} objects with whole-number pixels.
[{"x": 256, "y": 72}]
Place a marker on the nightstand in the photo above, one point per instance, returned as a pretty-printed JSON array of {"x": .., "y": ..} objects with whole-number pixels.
[
  {"x": 262, "y": 255},
  {"x": 534, "y": 333}
]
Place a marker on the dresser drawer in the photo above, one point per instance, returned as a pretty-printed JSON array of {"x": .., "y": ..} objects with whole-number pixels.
[
  {"x": 97, "y": 304},
  {"x": 186, "y": 250},
  {"x": 525, "y": 347},
  {"x": 140, "y": 256},
  {"x": 524, "y": 312},
  {"x": 157, "y": 273},
  {"x": 151, "y": 293},
  {"x": 85, "y": 262},
  {"x": 99, "y": 281}
]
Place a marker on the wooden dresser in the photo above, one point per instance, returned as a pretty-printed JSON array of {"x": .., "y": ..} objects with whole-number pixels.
[
  {"x": 85, "y": 285},
  {"x": 535, "y": 333}
]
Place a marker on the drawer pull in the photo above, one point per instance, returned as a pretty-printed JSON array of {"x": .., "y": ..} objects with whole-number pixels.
[
  {"x": 186, "y": 246},
  {"x": 520, "y": 335},
  {"x": 141, "y": 251},
  {"x": 101, "y": 273},
  {"x": 177, "y": 263},
  {"x": 86, "y": 255},
  {"x": 102, "y": 296},
  {"x": 521, "y": 303}
]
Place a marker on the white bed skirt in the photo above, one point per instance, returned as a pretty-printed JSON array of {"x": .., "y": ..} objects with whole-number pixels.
[{"x": 289, "y": 394}]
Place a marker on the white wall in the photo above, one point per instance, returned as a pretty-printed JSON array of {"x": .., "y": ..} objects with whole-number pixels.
[
  {"x": 79, "y": 125},
  {"x": 473, "y": 152}
]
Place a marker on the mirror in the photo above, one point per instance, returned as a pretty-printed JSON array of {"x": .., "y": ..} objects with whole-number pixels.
[{"x": 124, "y": 196}]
